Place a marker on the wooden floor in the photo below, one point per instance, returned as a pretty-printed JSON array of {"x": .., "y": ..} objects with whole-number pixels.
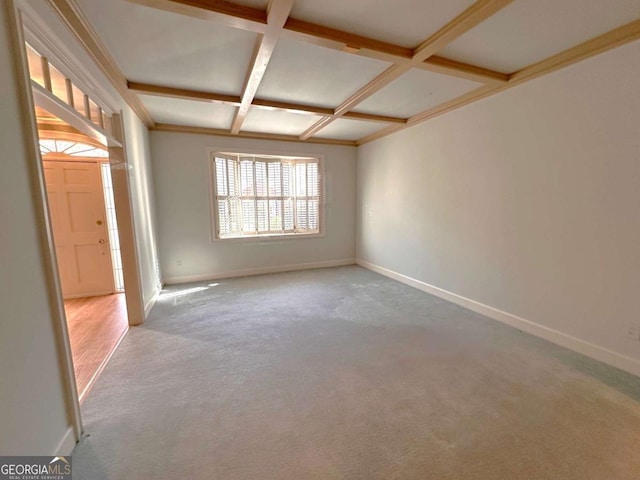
[{"x": 96, "y": 326}]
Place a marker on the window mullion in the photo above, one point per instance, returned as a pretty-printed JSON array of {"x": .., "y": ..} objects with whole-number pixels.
[
  {"x": 282, "y": 226},
  {"x": 266, "y": 170},
  {"x": 238, "y": 182},
  {"x": 306, "y": 167},
  {"x": 226, "y": 181},
  {"x": 294, "y": 194},
  {"x": 255, "y": 193}
]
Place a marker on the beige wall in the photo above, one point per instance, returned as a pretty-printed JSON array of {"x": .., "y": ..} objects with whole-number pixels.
[
  {"x": 181, "y": 174},
  {"x": 527, "y": 202},
  {"x": 32, "y": 406}
]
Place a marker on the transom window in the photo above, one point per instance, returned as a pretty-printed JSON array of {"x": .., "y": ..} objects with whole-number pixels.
[
  {"x": 259, "y": 195},
  {"x": 75, "y": 149}
]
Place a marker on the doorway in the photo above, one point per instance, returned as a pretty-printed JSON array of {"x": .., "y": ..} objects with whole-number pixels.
[
  {"x": 53, "y": 79},
  {"x": 82, "y": 212}
]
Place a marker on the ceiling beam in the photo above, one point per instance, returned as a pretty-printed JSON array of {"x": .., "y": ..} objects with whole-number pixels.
[
  {"x": 463, "y": 70},
  {"x": 278, "y": 12},
  {"x": 370, "y": 117},
  {"x": 367, "y": 47},
  {"x": 310, "y": 109},
  {"x": 219, "y": 11},
  {"x": 388, "y": 52},
  {"x": 472, "y": 16},
  {"x": 291, "y": 107},
  {"x": 612, "y": 39},
  {"x": 164, "y": 127},
  {"x": 75, "y": 20},
  {"x": 341, "y": 40},
  {"x": 255, "y": 20},
  {"x": 182, "y": 93},
  {"x": 198, "y": 95}
]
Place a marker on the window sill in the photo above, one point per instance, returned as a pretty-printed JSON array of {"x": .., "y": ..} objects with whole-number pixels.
[{"x": 269, "y": 238}]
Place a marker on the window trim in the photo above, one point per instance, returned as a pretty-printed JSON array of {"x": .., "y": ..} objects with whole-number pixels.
[{"x": 264, "y": 237}]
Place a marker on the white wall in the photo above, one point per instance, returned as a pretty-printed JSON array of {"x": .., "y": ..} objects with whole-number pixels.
[
  {"x": 528, "y": 202},
  {"x": 33, "y": 417},
  {"x": 181, "y": 172},
  {"x": 142, "y": 202}
]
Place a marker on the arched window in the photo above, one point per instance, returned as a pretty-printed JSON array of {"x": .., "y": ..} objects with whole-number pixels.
[{"x": 73, "y": 149}]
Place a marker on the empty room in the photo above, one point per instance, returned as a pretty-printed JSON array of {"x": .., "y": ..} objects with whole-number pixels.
[{"x": 359, "y": 239}]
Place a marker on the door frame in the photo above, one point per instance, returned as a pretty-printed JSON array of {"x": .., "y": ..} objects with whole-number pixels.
[{"x": 122, "y": 193}]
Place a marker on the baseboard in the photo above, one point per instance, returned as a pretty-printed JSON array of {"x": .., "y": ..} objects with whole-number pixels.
[
  {"x": 152, "y": 301},
  {"x": 259, "y": 271},
  {"x": 596, "y": 352},
  {"x": 66, "y": 444}
]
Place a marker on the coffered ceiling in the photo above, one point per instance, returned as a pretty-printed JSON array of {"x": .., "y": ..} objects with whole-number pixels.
[{"x": 332, "y": 70}]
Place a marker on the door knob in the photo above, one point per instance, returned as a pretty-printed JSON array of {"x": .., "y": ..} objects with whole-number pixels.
[
  {"x": 99, "y": 222},
  {"x": 101, "y": 240}
]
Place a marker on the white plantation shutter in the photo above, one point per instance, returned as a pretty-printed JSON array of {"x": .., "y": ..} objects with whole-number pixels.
[
  {"x": 287, "y": 196},
  {"x": 226, "y": 185},
  {"x": 310, "y": 198},
  {"x": 265, "y": 195}
]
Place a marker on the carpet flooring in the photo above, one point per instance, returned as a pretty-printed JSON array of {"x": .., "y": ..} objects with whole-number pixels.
[{"x": 344, "y": 374}]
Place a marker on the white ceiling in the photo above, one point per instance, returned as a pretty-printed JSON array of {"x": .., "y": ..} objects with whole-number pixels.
[
  {"x": 189, "y": 112},
  {"x": 528, "y": 31},
  {"x": 309, "y": 74},
  {"x": 154, "y": 46},
  {"x": 414, "y": 92},
  {"x": 278, "y": 121},
  {"x": 402, "y": 22},
  {"x": 348, "y": 129}
]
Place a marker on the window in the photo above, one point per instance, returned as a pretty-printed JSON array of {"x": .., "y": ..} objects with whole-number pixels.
[
  {"x": 69, "y": 147},
  {"x": 259, "y": 195}
]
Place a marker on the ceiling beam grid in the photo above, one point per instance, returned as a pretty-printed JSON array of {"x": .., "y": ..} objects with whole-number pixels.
[
  {"x": 278, "y": 12},
  {"x": 472, "y": 16},
  {"x": 607, "y": 41}
]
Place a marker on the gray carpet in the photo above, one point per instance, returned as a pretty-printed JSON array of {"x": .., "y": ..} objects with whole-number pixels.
[{"x": 344, "y": 374}]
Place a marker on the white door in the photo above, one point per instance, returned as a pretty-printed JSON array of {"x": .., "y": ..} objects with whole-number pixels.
[{"x": 76, "y": 203}]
